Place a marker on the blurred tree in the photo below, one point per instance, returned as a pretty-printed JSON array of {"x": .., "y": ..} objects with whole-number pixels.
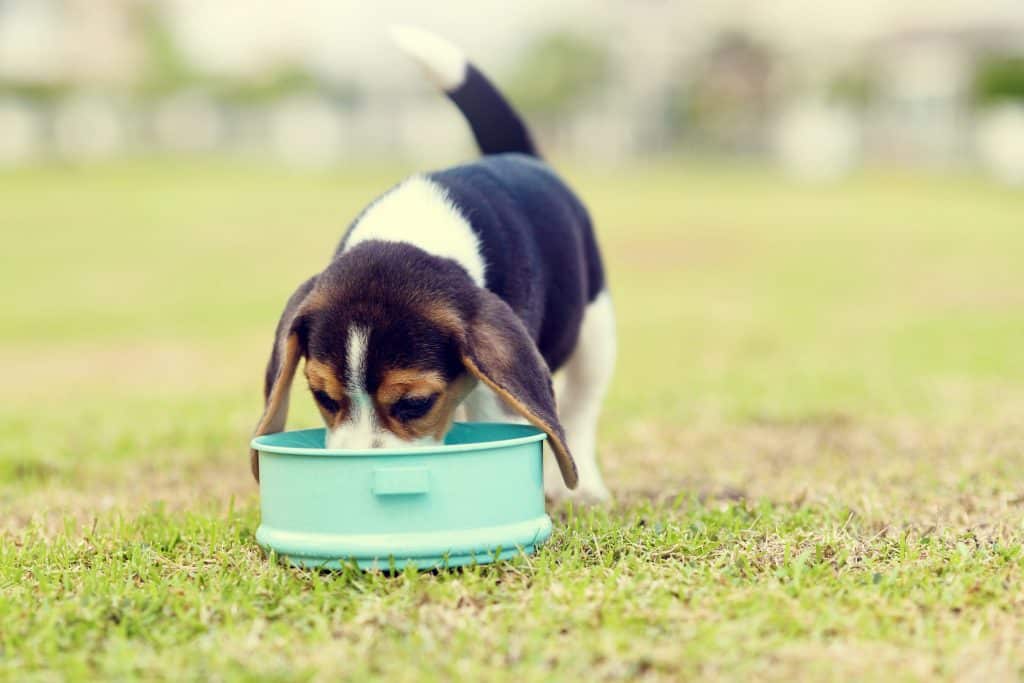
[
  {"x": 168, "y": 70},
  {"x": 36, "y": 92},
  {"x": 557, "y": 72},
  {"x": 855, "y": 86},
  {"x": 998, "y": 78},
  {"x": 729, "y": 98},
  {"x": 275, "y": 84},
  {"x": 282, "y": 82}
]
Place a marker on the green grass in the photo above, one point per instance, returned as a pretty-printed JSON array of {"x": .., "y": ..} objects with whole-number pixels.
[{"x": 814, "y": 439}]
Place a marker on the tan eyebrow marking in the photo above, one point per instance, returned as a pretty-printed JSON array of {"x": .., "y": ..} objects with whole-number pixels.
[
  {"x": 409, "y": 382},
  {"x": 436, "y": 422},
  {"x": 322, "y": 376}
]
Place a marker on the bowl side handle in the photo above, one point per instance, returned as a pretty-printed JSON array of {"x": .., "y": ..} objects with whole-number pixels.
[{"x": 401, "y": 481}]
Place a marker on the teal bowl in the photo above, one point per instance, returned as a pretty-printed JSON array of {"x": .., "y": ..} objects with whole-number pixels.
[{"x": 475, "y": 499}]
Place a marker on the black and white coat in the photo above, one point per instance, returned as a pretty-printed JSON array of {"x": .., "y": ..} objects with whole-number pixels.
[{"x": 459, "y": 293}]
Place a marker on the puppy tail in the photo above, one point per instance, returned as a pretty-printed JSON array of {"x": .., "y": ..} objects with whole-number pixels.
[{"x": 497, "y": 127}]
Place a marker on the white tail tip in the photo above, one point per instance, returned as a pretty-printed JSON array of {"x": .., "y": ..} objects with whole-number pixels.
[{"x": 444, "y": 63}]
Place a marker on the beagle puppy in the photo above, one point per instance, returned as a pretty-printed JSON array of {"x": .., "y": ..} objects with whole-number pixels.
[{"x": 459, "y": 292}]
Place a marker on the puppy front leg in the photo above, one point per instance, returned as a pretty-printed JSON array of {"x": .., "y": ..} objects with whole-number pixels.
[
  {"x": 587, "y": 375},
  {"x": 483, "y": 405},
  {"x": 581, "y": 433}
]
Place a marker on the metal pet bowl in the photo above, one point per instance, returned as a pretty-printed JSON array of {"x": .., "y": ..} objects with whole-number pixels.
[{"x": 476, "y": 499}]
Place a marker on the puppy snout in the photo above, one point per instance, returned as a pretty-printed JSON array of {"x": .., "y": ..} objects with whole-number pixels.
[
  {"x": 347, "y": 439},
  {"x": 342, "y": 438}
]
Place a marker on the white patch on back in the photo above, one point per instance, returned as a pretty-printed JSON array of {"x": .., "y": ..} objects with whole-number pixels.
[{"x": 419, "y": 212}]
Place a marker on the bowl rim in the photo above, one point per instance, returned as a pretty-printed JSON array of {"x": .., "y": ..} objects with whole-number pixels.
[{"x": 537, "y": 435}]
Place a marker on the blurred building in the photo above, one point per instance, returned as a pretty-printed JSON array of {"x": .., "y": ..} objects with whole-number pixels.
[
  {"x": 924, "y": 108},
  {"x": 315, "y": 82},
  {"x": 87, "y": 43}
]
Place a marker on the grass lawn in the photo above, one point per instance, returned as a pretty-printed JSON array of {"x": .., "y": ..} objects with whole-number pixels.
[{"x": 815, "y": 439}]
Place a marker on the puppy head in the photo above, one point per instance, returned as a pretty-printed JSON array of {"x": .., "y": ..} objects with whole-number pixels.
[
  {"x": 382, "y": 381},
  {"x": 394, "y": 339}
]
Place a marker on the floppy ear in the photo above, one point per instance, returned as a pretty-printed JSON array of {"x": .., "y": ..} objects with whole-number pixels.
[
  {"x": 498, "y": 350},
  {"x": 284, "y": 360}
]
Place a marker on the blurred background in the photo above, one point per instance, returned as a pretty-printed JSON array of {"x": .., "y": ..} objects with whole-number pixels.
[
  {"x": 810, "y": 213},
  {"x": 817, "y": 89}
]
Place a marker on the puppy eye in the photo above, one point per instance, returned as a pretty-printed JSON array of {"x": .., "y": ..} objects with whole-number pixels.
[
  {"x": 413, "y": 407},
  {"x": 328, "y": 403}
]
